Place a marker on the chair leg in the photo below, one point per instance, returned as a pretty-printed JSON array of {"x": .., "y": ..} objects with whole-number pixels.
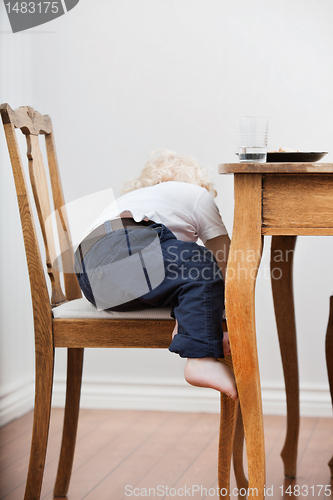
[
  {"x": 74, "y": 376},
  {"x": 282, "y": 253},
  {"x": 227, "y": 431},
  {"x": 242, "y": 482},
  {"x": 329, "y": 360},
  {"x": 42, "y": 411}
]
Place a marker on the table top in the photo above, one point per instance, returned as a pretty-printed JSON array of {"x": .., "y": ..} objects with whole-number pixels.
[{"x": 276, "y": 168}]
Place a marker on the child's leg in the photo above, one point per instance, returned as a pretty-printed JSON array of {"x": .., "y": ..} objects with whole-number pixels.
[
  {"x": 194, "y": 288},
  {"x": 210, "y": 372},
  {"x": 226, "y": 344}
]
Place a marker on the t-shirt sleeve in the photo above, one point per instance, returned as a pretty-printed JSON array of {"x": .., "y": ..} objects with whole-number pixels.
[{"x": 208, "y": 218}]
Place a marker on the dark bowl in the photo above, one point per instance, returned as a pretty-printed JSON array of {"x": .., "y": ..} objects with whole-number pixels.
[{"x": 293, "y": 156}]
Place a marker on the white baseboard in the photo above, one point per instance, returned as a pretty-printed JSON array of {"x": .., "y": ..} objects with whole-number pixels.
[
  {"x": 161, "y": 395},
  {"x": 315, "y": 401},
  {"x": 16, "y": 400}
]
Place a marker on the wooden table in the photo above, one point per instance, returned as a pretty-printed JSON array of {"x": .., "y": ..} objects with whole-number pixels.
[{"x": 283, "y": 200}]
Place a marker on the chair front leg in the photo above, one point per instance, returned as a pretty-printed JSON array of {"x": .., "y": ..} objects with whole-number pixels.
[
  {"x": 41, "y": 422},
  {"x": 228, "y": 418},
  {"x": 241, "y": 480},
  {"x": 282, "y": 254},
  {"x": 73, "y": 391}
]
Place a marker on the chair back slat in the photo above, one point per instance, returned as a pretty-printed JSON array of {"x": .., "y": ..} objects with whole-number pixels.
[
  {"x": 40, "y": 191},
  {"x": 32, "y": 124},
  {"x": 39, "y": 292},
  {"x": 72, "y": 288}
]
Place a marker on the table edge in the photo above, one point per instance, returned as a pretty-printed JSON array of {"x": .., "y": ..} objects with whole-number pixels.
[{"x": 275, "y": 168}]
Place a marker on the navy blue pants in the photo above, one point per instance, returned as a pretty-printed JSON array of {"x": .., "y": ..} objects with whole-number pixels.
[{"x": 194, "y": 289}]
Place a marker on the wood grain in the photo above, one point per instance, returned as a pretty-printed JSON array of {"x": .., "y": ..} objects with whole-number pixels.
[
  {"x": 106, "y": 460},
  {"x": 238, "y": 453},
  {"x": 40, "y": 432},
  {"x": 168, "y": 466},
  {"x": 26, "y": 119},
  {"x": 72, "y": 288},
  {"x": 44, "y": 352},
  {"x": 275, "y": 168},
  {"x": 297, "y": 231},
  {"x": 282, "y": 258},
  {"x": 243, "y": 263},
  {"x": 112, "y": 333},
  {"x": 39, "y": 293},
  {"x": 40, "y": 191},
  {"x": 228, "y": 418},
  {"x": 284, "y": 201},
  {"x": 297, "y": 201},
  {"x": 71, "y": 416}
]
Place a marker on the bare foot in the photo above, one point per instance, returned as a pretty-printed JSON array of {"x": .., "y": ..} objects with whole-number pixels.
[{"x": 210, "y": 372}]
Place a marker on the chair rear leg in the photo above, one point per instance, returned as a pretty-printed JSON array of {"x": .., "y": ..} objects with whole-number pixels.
[
  {"x": 74, "y": 377},
  {"x": 41, "y": 423}
]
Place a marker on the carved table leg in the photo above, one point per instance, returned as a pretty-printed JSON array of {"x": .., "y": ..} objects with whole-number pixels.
[
  {"x": 243, "y": 263},
  {"x": 329, "y": 360},
  {"x": 282, "y": 254}
]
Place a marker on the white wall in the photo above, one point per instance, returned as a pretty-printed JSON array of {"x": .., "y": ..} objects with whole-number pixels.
[
  {"x": 121, "y": 79},
  {"x": 16, "y": 331}
]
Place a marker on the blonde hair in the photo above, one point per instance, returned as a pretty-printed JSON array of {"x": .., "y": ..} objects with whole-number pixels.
[{"x": 165, "y": 165}]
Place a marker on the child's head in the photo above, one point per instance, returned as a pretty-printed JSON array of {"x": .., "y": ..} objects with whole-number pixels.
[{"x": 165, "y": 165}]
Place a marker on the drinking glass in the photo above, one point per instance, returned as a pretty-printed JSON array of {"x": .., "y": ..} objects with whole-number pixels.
[{"x": 252, "y": 138}]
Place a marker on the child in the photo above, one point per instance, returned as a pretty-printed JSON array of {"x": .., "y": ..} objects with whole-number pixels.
[{"x": 142, "y": 252}]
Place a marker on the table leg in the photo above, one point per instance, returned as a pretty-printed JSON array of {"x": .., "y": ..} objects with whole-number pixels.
[
  {"x": 329, "y": 360},
  {"x": 243, "y": 263},
  {"x": 282, "y": 255}
]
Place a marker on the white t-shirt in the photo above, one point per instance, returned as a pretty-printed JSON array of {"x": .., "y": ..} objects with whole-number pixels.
[{"x": 188, "y": 210}]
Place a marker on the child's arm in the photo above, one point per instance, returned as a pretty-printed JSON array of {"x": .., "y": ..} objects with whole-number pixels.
[{"x": 220, "y": 248}]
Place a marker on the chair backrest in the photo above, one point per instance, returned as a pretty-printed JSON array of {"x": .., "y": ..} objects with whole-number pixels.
[{"x": 33, "y": 124}]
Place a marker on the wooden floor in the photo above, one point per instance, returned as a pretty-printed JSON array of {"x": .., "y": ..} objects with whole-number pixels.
[{"x": 118, "y": 451}]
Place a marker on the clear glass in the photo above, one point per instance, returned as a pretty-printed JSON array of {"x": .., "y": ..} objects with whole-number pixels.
[{"x": 252, "y": 139}]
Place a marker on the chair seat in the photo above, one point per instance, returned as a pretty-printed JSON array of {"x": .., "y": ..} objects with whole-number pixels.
[{"x": 83, "y": 309}]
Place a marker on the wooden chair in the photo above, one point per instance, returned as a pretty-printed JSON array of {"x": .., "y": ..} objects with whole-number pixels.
[{"x": 67, "y": 320}]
